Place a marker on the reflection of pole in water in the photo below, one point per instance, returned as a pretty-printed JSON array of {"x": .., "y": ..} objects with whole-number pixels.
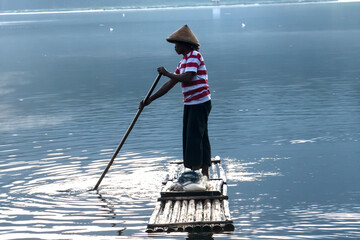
[{"x": 111, "y": 215}]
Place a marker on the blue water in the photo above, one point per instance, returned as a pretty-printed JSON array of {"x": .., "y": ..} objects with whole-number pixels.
[{"x": 285, "y": 119}]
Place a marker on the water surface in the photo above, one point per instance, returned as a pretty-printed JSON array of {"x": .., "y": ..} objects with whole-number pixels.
[{"x": 285, "y": 120}]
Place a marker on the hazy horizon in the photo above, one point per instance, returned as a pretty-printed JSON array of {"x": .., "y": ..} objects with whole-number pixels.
[{"x": 64, "y": 5}]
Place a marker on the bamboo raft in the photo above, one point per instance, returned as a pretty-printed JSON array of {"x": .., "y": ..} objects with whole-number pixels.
[{"x": 206, "y": 211}]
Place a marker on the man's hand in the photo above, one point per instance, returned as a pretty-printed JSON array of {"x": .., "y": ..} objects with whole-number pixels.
[
  {"x": 162, "y": 71},
  {"x": 142, "y": 104}
]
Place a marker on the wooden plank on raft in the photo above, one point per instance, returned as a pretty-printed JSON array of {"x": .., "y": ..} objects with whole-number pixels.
[
  {"x": 207, "y": 215},
  {"x": 191, "y": 211},
  {"x": 186, "y": 223},
  {"x": 183, "y": 214},
  {"x": 222, "y": 174},
  {"x": 215, "y": 211},
  {"x": 220, "y": 197},
  {"x": 199, "y": 211},
  {"x": 154, "y": 217},
  {"x": 176, "y": 212},
  {"x": 229, "y": 226},
  {"x": 207, "y": 210},
  {"x": 216, "y": 215},
  {"x": 214, "y": 171},
  {"x": 165, "y": 217},
  {"x": 182, "y": 193},
  {"x": 190, "y": 216}
]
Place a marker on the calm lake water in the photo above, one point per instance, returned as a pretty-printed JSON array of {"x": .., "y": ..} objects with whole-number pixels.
[{"x": 285, "y": 120}]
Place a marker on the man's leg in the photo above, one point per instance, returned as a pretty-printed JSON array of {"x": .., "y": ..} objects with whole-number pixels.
[
  {"x": 192, "y": 137},
  {"x": 206, "y": 148},
  {"x": 196, "y": 145}
]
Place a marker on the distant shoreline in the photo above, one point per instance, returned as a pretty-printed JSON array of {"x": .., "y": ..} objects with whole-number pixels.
[{"x": 164, "y": 7}]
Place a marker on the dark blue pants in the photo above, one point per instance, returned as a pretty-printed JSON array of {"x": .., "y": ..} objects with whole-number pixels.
[{"x": 196, "y": 144}]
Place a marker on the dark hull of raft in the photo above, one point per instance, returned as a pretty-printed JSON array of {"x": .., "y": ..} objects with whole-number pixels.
[{"x": 206, "y": 211}]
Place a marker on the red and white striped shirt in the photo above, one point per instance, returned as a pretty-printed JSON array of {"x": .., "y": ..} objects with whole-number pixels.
[{"x": 197, "y": 90}]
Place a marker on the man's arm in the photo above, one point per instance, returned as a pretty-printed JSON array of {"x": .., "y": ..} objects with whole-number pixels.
[
  {"x": 159, "y": 93},
  {"x": 185, "y": 77}
]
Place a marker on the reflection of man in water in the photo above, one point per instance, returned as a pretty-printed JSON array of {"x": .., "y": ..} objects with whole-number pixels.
[
  {"x": 192, "y": 74},
  {"x": 200, "y": 236}
]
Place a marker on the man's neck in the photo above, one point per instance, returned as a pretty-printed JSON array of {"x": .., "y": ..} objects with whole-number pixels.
[{"x": 187, "y": 52}]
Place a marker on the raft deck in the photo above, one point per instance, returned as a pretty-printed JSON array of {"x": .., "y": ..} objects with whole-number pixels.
[{"x": 206, "y": 211}]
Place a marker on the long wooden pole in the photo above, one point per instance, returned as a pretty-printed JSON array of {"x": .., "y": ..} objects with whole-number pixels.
[{"x": 127, "y": 132}]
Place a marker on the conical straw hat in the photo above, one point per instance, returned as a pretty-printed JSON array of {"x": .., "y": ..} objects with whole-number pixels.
[{"x": 184, "y": 34}]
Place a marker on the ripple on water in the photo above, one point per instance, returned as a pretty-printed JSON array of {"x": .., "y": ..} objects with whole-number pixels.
[
  {"x": 55, "y": 197},
  {"x": 250, "y": 171}
]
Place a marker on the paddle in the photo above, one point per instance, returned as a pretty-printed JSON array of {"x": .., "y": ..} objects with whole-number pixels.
[{"x": 127, "y": 132}]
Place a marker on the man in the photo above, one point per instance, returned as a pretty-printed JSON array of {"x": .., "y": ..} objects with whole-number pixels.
[{"x": 192, "y": 74}]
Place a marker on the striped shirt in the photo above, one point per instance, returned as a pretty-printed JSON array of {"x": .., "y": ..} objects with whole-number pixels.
[{"x": 197, "y": 90}]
